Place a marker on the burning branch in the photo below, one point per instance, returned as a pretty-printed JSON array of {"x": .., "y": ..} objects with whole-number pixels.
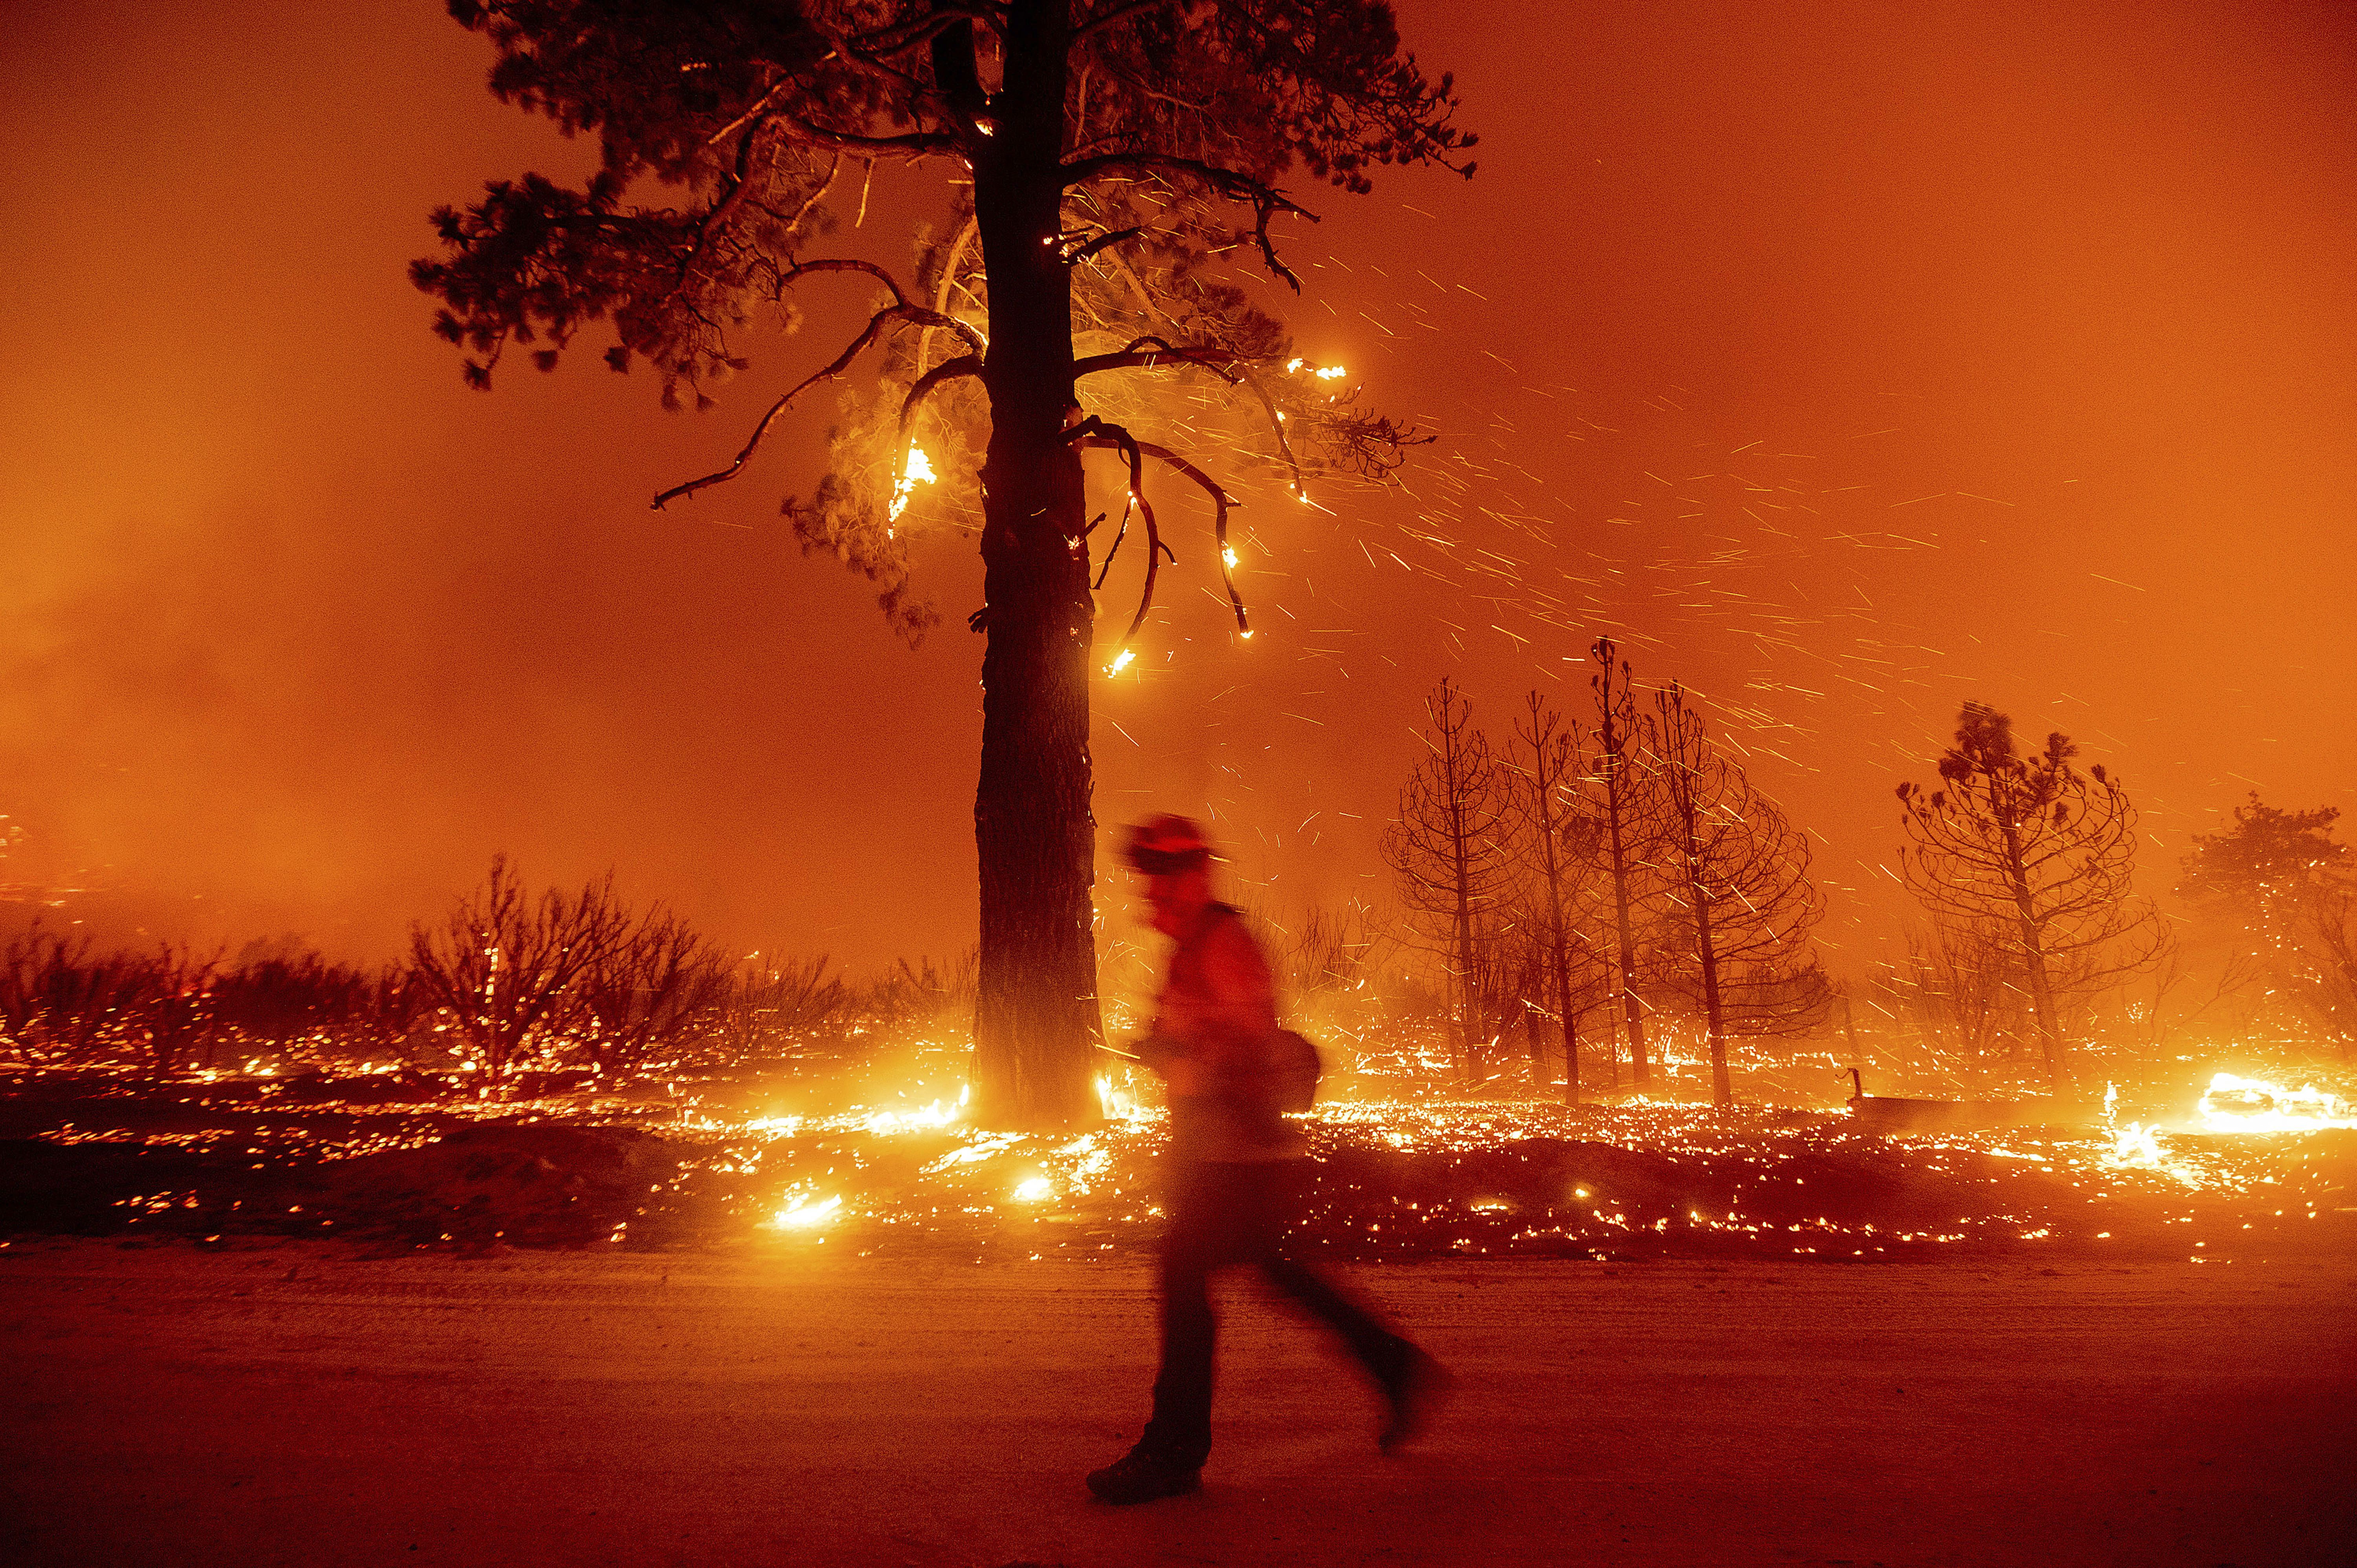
[{"x": 1095, "y": 433}]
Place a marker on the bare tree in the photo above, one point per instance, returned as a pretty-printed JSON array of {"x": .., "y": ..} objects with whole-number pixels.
[
  {"x": 1448, "y": 852},
  {"x": 913, "y": 995},
  {"x": 1739, "y": 879},
  {"x": 2038, "y": 859},
  {"x": 1956, "y": 988},
  {"x": 506, "y": 968},
  {"x": 1328, "y": 962},
  {"x": 175, "y": 1016},
  {"x": 1562, "y": 842},
  {"x": 1622, "y": 798}
]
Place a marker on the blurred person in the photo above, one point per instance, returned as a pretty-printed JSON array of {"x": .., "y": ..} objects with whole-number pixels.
[{"x": 1238, "y": 1171}]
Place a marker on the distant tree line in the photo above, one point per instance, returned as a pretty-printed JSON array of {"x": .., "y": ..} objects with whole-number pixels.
[
  {"x": 2275, "y": 895},
  {"x": 510, "y": 981}
]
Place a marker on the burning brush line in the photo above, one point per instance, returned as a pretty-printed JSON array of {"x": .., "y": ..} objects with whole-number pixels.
[{"x": 1398, "y": 1178}]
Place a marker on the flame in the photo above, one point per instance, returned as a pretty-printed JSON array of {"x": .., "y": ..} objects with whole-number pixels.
[
  {"x": 1034, "y": 1189},
  {"x": 1116, "y": 1103},
  {"x": 1330, "y": 372},
  {"x": 1228, "y": 553},
  {"x": 2234, "y": 1104},
  {"x": 2137, "y": 1147},
  {"x": 919, "y": 469},
  {"x": 933, "y": 1115},
  {"x": 1121, "y": 661},
  {"x": 801, "y": 1213}
]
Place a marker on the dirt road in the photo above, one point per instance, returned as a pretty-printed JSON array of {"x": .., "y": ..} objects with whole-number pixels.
[{"x": 787, "y": 1405}]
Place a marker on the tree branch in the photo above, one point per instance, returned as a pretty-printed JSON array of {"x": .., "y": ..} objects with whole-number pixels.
[
  {"x": 1137, "y": 356},
  {"x": 1075, "y": 257},
  {"x": 781, "y": 281},
  {"x": 1231, "y": 368},
  {"x": 1112, "y": 17},
  {"x": 914, "y": 145},
  {"x": 876, "y": 326},
  {"x": 883, "y": 43},
  {"x": 1266, "y": 199},
  {"x": 948, "y": 370},
  {"x": 1096, "y": 433}
]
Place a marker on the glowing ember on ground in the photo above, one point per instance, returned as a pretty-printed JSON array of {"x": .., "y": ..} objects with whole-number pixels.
[{"x": 718, "y": 1162}]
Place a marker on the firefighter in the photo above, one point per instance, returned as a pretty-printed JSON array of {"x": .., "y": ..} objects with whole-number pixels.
[{"x": 1237, "y": 1171}]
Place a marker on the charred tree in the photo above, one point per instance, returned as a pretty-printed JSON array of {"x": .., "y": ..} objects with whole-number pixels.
[
  {"x": 1739, "y": 881},
  {"x": 1561, "y": 841},
  {"x": 1447, "y": 850},
  {"x": 1624, "y": 801},
  {"x": 1096, "y": 159},
  {"x": 2037, "y": 859}
]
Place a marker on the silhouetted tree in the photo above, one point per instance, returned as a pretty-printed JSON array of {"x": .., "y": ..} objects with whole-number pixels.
[
  {"x": 1560, "y": 843},
  {"x": 1447, "y": 850},
  {"x": 280, "y": 995},
  {"x": 2035, "y": 860},
  {"x": 1952, "y": 988},
  {"x": 1092, "y": 158},
  {"x": 1738, "y": 879},
  {"x": 1623, "y": 799},
  {"x": 2285, "y": 893}
]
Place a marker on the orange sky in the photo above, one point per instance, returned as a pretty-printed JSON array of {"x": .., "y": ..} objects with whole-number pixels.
[{"x": 1847, "y": 360}]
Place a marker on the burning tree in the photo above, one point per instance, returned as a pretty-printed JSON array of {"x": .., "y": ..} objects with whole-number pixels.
[
  {"x": 2031, "y": 862},
  {"x": 1450, "y": 853},
  {"x": 1093, "y": 158},
  {"x": 1737, "y": 876},
  {"x": 2285, "y": 892}
]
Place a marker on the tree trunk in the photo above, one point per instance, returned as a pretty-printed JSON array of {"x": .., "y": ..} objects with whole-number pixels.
[
  {"x": 1714, "y": 1011},
  {"x": 2033, "y": 956},
  {"x": 1722, "y": 1093},
  {"x": 1640, "y": 1069},
  {"x": 1570, "y": 1023},
  {"x": 1036, "y": 1016}
]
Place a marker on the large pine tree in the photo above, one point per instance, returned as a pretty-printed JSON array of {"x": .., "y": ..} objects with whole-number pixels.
[{"x": 1100, "y": 160}]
